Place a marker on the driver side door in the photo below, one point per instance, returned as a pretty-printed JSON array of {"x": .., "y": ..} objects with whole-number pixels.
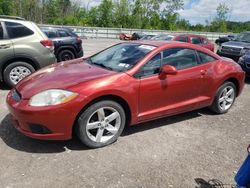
[{"x": 174, "y": 94}]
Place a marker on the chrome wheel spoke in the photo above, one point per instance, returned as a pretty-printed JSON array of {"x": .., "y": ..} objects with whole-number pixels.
[
  {"x": 112, "y": 117},
  {"x": 229, "y": 100},
  {"x": 221, "y": 99},
  {"x": 230, "y": 92},
  {"x": 93, "y": 125},
  {"x": 111, "y": 129},
  {"x": 99, "y": 135},
  {"x": 101, "y": 114}
]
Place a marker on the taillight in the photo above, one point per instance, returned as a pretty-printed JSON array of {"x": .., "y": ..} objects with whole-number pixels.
[
  {"x": 79, "y": 40},
  {"x": 48, "y": 44}
]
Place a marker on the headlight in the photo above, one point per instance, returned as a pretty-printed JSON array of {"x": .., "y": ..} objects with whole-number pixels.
[
  {"x": 219, "y": 48},
  {"x": 52, "y": 97},
  {"x": 244, "y": 51},
  {"x": 241, "y": 61}
]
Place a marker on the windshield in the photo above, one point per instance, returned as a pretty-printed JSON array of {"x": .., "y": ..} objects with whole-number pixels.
[
  {"x": 243, "y": 37},
  {"x": 121, "y": 57},
  {"x": 163, "y": 37}
]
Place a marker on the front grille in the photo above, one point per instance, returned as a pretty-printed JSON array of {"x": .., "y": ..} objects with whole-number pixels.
[
  {"x": 231, "y": 50},
  {"x": 16, "y": 95}
]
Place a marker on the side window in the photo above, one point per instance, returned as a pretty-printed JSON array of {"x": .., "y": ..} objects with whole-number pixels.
[
  {"x": 182, "y": 39},
  {"x": 151, "y": 67},
  {"x": 16, "y": 30},
  {"x": 205, "y": 58},
  {"x": 1, "y": 31},
  {"x": 180, "y": 58},
  {"x": 195, "y": 40},
  {"x": 52, "y": 34},
  {"x": 63, "y": 33}
]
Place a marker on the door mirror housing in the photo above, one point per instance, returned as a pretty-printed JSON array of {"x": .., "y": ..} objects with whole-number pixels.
[{"x": 167, "y": 70}]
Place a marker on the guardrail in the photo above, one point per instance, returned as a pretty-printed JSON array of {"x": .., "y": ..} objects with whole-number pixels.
[{"x": 113, "y": 33}]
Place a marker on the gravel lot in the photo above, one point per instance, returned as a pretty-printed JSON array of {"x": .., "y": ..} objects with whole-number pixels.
[{"x": 196, "y": 149}]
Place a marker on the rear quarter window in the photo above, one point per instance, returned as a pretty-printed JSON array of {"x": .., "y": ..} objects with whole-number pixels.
[
  {"x": 205, "y": 58},
  {"x": 17, "y": 30},
  {"x": 63, "y": 33}
]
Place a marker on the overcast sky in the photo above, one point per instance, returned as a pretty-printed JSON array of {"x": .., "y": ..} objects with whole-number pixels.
[{"x": 197, "y": 11}]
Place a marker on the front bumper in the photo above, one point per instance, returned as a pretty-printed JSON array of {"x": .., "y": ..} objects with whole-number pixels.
[
  {"x": 53, "y": 123},
  {"x": 234, "y": 57}
]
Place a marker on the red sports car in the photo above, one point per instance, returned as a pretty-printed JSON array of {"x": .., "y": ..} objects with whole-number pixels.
[
  {"x": 189, "y": 38},
  {"x": 126, "y": 84}
]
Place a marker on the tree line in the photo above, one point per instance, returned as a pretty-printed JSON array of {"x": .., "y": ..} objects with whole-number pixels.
[{"x": 140, "y": 14}]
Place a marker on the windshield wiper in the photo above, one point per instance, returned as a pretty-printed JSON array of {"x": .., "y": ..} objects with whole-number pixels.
[{"x": 99, "y": 64}]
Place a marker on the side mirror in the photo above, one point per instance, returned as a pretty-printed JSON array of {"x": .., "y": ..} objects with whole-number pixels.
[{"x": 167, "y": 69}]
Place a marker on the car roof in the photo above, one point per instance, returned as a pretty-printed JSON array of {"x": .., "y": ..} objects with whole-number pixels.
[{"x": 156, "y": 43}]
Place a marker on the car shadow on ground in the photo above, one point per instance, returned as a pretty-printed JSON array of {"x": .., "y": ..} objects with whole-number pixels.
[
  {"x": 213, "y": 183},
  {"x": 3, "y": 86},
  {"x": 247, "y": 80},
  {"x": 17, "y": 141}
]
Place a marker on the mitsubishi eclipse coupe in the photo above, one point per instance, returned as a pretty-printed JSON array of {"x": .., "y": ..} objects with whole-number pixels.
[{"x": 126, "y": 84}]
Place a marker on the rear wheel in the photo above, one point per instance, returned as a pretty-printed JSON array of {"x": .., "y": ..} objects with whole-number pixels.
[
  {"x": 16, "y": 71},
  {"x": 101, "y": 124},
  {"x": 224, "y": 99},
  {"x": 66, "y": 55}
]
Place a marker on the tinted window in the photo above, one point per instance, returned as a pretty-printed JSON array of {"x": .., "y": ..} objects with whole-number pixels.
[
  {"x": 205, "y": 58},
  {"x": 151, "y": 67},
  {"x": 50, "y": 34},
  {"x": 63, "y": 33},
  {"x": 195, "y": 40},
  {"x": 1, "y": 31},
  {"x": 182, "y": 39},
  {"x": 121, "y": 57},
  {"x": 16, "y": 30},
  {"x": 181, "y": 58}
]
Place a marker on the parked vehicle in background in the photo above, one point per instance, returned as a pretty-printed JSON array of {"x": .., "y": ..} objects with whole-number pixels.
[
  {"x": 24, "y": 48},
  {"x": 236, "y": 48},
  {"x": 126, "y": 84},
  {"x": 189, "y": 38},
  {"x": 244, "y": 62},
  {"x": 221, "y": 40},
  {"x": 136, "y": 36},
  {"x": 68, "y": 45}
]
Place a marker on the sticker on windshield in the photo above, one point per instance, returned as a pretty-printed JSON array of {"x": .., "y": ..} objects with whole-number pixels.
[
  {"x": 147, "y": 47},
  {"x": 123, "y": 65}
]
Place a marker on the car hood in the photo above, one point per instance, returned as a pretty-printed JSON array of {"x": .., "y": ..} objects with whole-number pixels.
[
  {"x": 60, "y": 76},
  {"x": 237, "y": 44}
]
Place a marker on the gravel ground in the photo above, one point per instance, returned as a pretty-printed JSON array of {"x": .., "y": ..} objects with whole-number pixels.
[{"x": 195, "y": 149}]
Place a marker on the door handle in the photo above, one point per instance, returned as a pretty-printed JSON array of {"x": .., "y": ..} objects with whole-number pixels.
[{"x": 203, "y": 72}]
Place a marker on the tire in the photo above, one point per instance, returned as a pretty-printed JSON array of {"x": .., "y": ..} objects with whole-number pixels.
[
  {"x": 93, "y": 122},
  {"x": 223, "y": 101},
  {"x": 65, "y": 55},
  {"x": 15, "y": 72}
]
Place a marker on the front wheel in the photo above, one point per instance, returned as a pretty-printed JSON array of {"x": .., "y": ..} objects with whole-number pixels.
[
  {"x": 15, "y": 72},
  {"x": 101, "y": 124},
  {"x": 225, "y": 98}
]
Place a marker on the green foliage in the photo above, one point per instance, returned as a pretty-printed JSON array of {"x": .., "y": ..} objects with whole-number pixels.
[{"x": 141, "y": 14}]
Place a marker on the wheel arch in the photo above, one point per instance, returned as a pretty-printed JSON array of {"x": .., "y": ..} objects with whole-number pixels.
[
  {"x": 111, "y": 97},
  {"x": 25, "y": 59},
  {"x": 235, "y": 82}
]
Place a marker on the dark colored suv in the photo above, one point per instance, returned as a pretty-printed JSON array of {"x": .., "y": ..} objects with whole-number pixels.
[
  {"x": 67, "y": 44},
  {"x": 236, "y": 48}
]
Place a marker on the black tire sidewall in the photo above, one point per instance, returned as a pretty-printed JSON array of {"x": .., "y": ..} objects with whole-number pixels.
[
  {"x": 8, "y": 69},
  {"x": 215, "y": 106},
  {"x": 65, "y": 51},
  {"x": 83, "y": 118}
]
